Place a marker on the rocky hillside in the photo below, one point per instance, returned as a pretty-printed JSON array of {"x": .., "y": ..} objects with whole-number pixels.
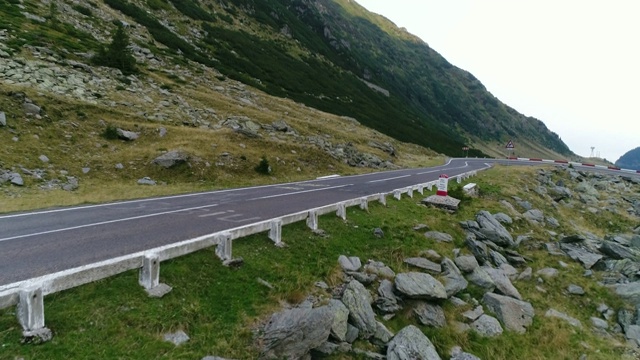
[
  {"x": 332, "y": 55},
  {"x": 630, "y": 160}
]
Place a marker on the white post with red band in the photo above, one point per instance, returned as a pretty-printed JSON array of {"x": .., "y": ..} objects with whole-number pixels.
[{"x": 443, "y": 182}]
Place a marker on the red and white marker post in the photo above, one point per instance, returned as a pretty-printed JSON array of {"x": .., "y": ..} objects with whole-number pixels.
[{"x": 443, "y": 182}]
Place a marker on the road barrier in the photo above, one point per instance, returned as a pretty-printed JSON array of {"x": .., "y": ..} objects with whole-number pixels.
[
  {"x": 608, "y": 167},
  {"x": 29, "y": 294}
]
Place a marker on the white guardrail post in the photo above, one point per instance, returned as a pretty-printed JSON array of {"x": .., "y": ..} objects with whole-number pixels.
[
  {"x": 31, "y": 309},
  {"x": 149, "y": 276},
  {"x": 312, "y": 220},
  {"x": 223, "y": 250},
  {"x": 342, "y": 211},
  {"x": 364, "y": 204},
  {"x": 275, "y": 232}
]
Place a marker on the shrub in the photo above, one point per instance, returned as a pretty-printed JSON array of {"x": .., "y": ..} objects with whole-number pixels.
[
  {"x": 117, "y": 55},
  {"x": 110, "y": 132},
  {"x": 82, "y": 10},
  {"x": 263, "y": 167}
]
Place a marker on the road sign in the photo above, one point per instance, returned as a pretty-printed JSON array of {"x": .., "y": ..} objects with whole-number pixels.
[
  {"x": 510, "y": 145},
  {"x": 442, "y": 185}
]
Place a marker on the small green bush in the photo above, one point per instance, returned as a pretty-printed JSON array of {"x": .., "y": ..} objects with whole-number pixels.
[
  {"x": 82, "y": 10},
  {"x": 263, "y": 167},
  {"x": 110, "y": 132}
]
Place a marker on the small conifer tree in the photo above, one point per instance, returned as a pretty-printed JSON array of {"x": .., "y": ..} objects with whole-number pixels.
[{"x": 117, "y": 54}]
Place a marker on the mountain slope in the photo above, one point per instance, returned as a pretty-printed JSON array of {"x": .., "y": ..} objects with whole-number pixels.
[
  {"x": 630, "y": 160},
  {"x": 331, "y": 55}
]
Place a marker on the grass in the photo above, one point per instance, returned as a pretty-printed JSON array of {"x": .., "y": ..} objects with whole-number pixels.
[{"x": 221, "y": 308}]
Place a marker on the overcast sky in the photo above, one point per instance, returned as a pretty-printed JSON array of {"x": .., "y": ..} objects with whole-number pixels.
[{"x": 573, "y": 64}]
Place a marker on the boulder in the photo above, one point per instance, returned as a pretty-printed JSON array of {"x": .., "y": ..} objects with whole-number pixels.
[
  {"x": 466, "y": 263},
  {"x": 3, "y": 119},
  {"x": 516, "y": 315},
  {"x": 16, "y": 179},
  {"x": 574, "y": 289},
  {"x": 411, "y": 344},
  {"x": 534, "y": 215},
  {"x": 430, "y": 314},
  {"x": 473, "y": 315},
  {"x": 453, "y": 280},
  {"x": 127, "y": 135},
  {"x": 503, "y": 218},
  {"x": 503, "y": 284},
  {"x": 425, "y": 264},
  {"x": 420, "y": 286},
  {"x": 358, "y": 301},
  {"x": 481, "y": 278},
  {"x": 629, "y": 292},
  {"x": 586, "y": 258},
  {"x": 616, "y": 251},
  {"x": 478, "y": 249},
  {"x": 351, "y": 263},
  {"x": 340, "y": 315},
  {"x": 458, "y": 354},
  {"x": 171, "y": 159},
  {"x": 387, "y": 301},
  {"x": 493, "y": 230},
  {"x": 146, "y": 181},
  {"x": 382, "y": 335},
  {"x": 487, "y": 326},
  {"x": 292, "y": 333},
  {"x": 31, "y": 109},
  {"x": 380, "y": 269}
]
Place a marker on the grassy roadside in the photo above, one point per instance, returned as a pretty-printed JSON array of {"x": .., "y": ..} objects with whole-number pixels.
[{"x": 220, "y": 307}]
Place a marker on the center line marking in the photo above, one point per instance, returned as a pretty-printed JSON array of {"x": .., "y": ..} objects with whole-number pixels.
[
  {"x": 393, "y": 178},
  {"x": 106, "y": 222},
  {"x": 213, "y": 214},
  {"x": 300, "y": 192}
]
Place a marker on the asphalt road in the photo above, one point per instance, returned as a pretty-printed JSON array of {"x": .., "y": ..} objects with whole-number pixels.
[{"x": 37, "y": 243}]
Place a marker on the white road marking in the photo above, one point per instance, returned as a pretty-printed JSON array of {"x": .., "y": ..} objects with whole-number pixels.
[
  {"x": 300, "y": 192},
  {"x": 215, "y": 213},
  {"x": 230, "y": 217},
  {"x": 106, "y": 222},
  {"x": 387, "y": 179}
]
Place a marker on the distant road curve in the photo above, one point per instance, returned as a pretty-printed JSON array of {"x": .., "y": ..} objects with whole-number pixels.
[{"x": 38, "y": 243}]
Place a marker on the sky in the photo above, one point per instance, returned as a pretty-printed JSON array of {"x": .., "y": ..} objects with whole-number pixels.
[{"x": 573, "y": 64}]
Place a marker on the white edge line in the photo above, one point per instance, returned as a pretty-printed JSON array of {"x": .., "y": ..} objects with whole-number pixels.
[
  {"x": 105, "y": 222},
  {"x": 299, "y": 192},
  {"x": 387, "y": 179}
]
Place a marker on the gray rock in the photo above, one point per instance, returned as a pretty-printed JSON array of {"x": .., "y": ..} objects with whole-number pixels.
[
  {"x": 493, "y": 230},
  {"x": 382, "y": 335},
  {"x": 615, "y": 250},
  {"x": 487, "y": 326},
  {"x": 503, "y": 284},
  {"x": 420, "y": 286},
  {"x": 358, "y": 301},
  {"x": 430, "y": 315},
  {"x": 387, "y": 301},
  {"x": 481, "y": 278},
  {"x": 466, "y": 263},
  {"x": 547, "y": 272},
  {"x": 503, "y": 218},
  {"x": 453, "y": 280},
  {"x": 177, "y": 338},
  {"x": 425, "y": 264},
  {"x": 3, "y": 119},
  {"x": 516, "y": 315},
  {"x": 629, "y": 292},
  {"x": 574, "y": 289},
  {"x": 351, "y": 263},
  {"x": 31, "y": 109},
  {"x": 340, "y": 319},
  {"x": 85, "y": 170},
  {"x": 363, "y": 278},
  {"x": 127, "y": 135},
  {"x": 510, "y": 271},
  {"x": 526, "y": 274},
  {"x": 534, "y": 215},
  {"x": 633, "y": 333},
  {"x": 478, "y": 249},
  {"x": 352, "y": 333},
  {"x": 587, "y": 258},
  {"x": 16, "y": 179},
  {"x": 411, "y": 344},
  {"x": 599, "y": 323},
  {"x": 473, "y": 315},
  {"x": 214, "y": 358},
  {"x": 292, "y": 333},
  {"x": 329, "y": 348},
  {"x": 560, "y": 315},
  {"x": 119, "y": 166},
  {"x": 438, "y": 236},
  {"x": 171, "y": 159},
  {"x": 377, "y": 232},
  {"x": 380, "y": 269},
  {"x": 497, "y": 258},
  {"x": 551, "y": 221},
  {"x": 162, "y": 132},
  {"x": 460, "y": 355},
  {"x": 573, "y": 239},
  {"x": 524, "y": 204},
  {"x": 146, "y": 181}
]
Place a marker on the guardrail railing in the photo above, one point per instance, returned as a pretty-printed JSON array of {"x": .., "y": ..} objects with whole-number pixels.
[{"x": 29, "y": 294}]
